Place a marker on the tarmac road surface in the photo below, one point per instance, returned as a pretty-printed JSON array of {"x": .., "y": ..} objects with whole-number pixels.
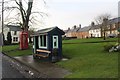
[{"x": 8, "y": 71}]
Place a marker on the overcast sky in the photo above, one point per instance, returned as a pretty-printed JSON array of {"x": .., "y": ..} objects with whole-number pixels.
[{"x": 67, "y": 13}]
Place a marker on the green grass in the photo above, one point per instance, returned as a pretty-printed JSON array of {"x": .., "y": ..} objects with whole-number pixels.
[
  {"x": 9, "y": 48},
  {"x": 89, "y": 60},
  {"x": 16, "y": 52},
  {"x": 89, "y": 40}
]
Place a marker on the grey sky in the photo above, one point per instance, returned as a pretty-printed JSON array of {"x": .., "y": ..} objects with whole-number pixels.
[{"x": 66, "y": 13}]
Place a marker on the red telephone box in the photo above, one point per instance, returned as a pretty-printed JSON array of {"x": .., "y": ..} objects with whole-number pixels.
[{"x": 23, "y": 40}]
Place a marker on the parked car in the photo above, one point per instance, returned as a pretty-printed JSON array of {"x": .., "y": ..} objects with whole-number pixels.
[{"x": 112, "y": 36}]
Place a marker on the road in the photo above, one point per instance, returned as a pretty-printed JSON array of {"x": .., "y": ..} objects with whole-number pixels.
[
  {"x": 8, "y": 71},
  {"x": 0, "y": 66}
]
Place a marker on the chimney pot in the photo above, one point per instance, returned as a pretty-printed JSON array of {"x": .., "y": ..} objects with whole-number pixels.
[{"x": 75, "y": 26}]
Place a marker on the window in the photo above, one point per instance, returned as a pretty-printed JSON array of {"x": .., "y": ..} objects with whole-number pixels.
[
  {"x": 15, "y": 32},
  {"x": 42, "y": 41},
  {"x": 55, "y": 41},
  {"x": 15, "y": 39}
]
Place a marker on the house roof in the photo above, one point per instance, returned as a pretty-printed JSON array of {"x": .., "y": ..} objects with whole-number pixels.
[
  {"x": 76, "y": 29},
  {"x": 111, "y": 21},
  {"x": 73, "y": 30},
  {"x": 13, "y": 27},
  {"x": 66, "y": 31},
  {"x": 114, "y": 20},
  {"x": 84, "y": 29},
  {"x": 95, "y": 27},
  {"x": 47, "y": 30}
]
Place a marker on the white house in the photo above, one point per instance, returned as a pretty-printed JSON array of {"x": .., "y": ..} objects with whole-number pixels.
[
  {"x": 14, "y": 30},
  {"x": 95, "y": 31}
]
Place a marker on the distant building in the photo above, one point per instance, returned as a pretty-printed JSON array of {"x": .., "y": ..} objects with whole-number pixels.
[
  {"x": 72, "y": 32},
  {"x": 112, "y": 27},
  {"x": 95, "y": 30},
  {"x": 14, "y": 30},
  {"x": 66, "y": 32},
  {"x": 83, "y": 32}
]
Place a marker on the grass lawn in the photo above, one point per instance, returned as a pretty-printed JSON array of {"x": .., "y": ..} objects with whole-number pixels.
[
  {"x": 89, "y": 40},
  {"x": 16, "y": 51},
  {"x": 89, "y": 60}
]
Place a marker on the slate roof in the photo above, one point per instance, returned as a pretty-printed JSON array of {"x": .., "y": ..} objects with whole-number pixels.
[
  {"x": 69, "y": 31},
  {"x": 114, "y": 20},
  {"x": 84, "y": 29},
  {"x": 95, "y": 27},
  {"x": 111, "y": 21},
  {"x": 13, "y": 27},
  {"x": 66, "y": 31},
  {"x": 73, "y": 30},
  {"x": 46, "y": 30}
]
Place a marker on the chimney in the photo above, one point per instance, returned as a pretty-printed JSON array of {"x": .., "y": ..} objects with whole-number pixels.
[
  {"x": 75, "y": 27},
  {"x": 92, "y": 23},
  {"x": 69, "y": 28},
  {"x": 105, "y": 20},
  {"x": 80, "y": 25}
]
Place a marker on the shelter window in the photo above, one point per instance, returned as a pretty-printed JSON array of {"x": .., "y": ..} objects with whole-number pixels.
[
  {"x": 55, "y": 41},
  {"x": 42, "y": 41}
]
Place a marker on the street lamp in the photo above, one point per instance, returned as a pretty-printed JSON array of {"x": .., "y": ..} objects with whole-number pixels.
[{"x": 2, "y": 20}]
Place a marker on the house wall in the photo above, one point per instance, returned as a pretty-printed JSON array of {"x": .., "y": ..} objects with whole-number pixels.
[
  {"x": 68, "y": 34},
  {"x": 17, "y": 35},
  {"x": 82, "y": 34},
  {"x": 74, "y": 34},
  {"x": 112, "y": 30},
  {"x": 95, "y": 33},
  {"x": 6, "y": 30}
]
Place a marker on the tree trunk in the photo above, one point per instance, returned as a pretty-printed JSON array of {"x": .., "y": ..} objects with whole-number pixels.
[
  {"x": 101, "y": 32},
  {"x": 104, "y": 36},
  {"x": 110, "y": 28}
]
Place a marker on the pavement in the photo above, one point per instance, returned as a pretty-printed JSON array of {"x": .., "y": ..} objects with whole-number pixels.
[{"x": 50, "y": 69}]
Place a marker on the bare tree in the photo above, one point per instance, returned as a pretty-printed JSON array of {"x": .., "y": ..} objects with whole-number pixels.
[
  {"x": 31, "y": 31},
  {"x": 102, "y": 21},
  {"x": 25, "y": 14}
]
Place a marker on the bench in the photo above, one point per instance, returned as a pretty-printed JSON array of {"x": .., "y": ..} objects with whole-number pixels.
[{"x": 43, "y": 54}]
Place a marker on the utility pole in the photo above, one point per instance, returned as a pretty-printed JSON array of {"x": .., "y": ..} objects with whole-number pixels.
[{"x": 2, "y": 20}]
